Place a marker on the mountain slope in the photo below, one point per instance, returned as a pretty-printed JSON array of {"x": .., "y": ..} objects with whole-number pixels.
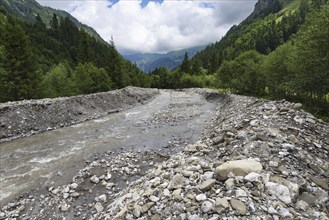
[
  {"x": 29, "y": 9},
  {"x": 60, "y": 59},
  {"x": 150, "y": 61},
  {"x": 271, "y": 24}
]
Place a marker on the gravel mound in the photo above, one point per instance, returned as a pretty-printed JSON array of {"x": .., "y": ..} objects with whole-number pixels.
[
  {"x": 261, "y": 160},
  {"x": 23, "y": 118}
]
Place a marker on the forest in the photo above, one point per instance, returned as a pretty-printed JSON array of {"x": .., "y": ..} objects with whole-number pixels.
[
  {"x": 282, "y": 53},
  {"x": 59, "y": 59}
]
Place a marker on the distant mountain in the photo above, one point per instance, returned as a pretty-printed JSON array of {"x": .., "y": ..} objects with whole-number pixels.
[
  {"x": 29, "y": 9},
  {"x": 150, "y": 61}
]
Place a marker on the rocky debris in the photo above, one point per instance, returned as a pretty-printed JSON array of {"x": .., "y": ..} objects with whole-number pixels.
[
  {"x": 258, "y": 160},
  {"x": 206, "y": 185},
  {"x": 90, "y": 191},
  {"x": 280, "y": 191},
  {"x": 237, "y": 168},
  {"x": 239, "y": 206},
  {"x": 24, "y": 118}
]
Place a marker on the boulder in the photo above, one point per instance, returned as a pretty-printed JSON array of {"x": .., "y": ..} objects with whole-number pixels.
[{"x": 238, "y": 168}]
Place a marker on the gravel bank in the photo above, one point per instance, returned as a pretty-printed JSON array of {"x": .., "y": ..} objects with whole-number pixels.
[
  {"x": 24, "y": 118},
  {"x": 261, "y": 160},
  {"x": 258, "y": 160}
]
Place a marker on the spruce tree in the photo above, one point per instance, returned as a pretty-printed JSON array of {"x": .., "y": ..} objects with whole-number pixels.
[
  {"x": 185, "y": 67},
  {"x": 21, "y": 78}
]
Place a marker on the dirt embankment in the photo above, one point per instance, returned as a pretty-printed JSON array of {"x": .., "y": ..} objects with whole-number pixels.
[{"x": 23, "y": 118}]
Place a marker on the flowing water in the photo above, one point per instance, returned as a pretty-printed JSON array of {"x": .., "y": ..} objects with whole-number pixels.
[{"x": 53, "y": 157}]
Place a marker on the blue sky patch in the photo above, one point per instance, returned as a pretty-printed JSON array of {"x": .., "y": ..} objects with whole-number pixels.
[
  {"x": 207, "y": 5},
  {"x": 143, "y": 4}
]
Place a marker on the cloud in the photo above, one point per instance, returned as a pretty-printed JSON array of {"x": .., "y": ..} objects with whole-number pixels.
[{"x": 158, "y": 25}]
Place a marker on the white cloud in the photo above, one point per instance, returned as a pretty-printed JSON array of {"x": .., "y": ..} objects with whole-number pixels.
[{"x": 158, "y": 27}]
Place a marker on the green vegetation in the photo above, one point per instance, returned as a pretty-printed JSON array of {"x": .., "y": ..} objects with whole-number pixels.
[
  {"x": 27, "y": 10},
  {"x": 297, "y": 70},
  {"x": 282, "y": 55},
  {"x": 59, "y": 59}
]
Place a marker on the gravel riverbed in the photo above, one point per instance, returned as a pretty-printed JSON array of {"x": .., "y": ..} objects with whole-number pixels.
[{"x": 257, "y": 159}]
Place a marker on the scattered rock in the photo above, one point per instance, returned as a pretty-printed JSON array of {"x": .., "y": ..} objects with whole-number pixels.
[
  {"x": 200, "y": 197},
  {"x": 239, "y": 206},
  {"x": 178, "y": 181},
  {"x": 280, "y": 191},
  {"x": 154, "y": 198},
  {"x": 120, "y": 215},
  {"x": 137, "y": 211},
  {"x": 252, "y": 177},
  {"x": 302, "y": 205},
  {"x": 94, "y": 179},
  {"x": 64, "y": 207},
  {"x": 206, "y": 206},
  {"x": 206, "y": 185},
  {"x": 102, "y": 198},
  {"x": 98, "y": 206},
  {"x": 320, "y": 182},
  {"x": 238, "y": 168}
]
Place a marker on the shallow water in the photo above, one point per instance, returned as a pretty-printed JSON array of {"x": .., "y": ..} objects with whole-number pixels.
[{"x": 54, "y": 157}]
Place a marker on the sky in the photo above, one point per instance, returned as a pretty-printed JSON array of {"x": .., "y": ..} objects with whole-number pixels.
[{"x": 149, "y": 26}]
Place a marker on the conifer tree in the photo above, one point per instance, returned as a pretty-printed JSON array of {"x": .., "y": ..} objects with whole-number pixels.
[
  {"x": 185, "y": 67},
  {"x": 21, "y": 78}
]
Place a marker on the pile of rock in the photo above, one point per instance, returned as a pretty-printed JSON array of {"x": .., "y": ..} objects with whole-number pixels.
[
  {"x": 261, "y": 160},
  {"x": 91, "y": 189},
  {"x": 24, "y": 118}
]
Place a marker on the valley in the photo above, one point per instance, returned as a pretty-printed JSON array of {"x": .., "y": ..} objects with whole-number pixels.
[{"x": 237, "y": 129}]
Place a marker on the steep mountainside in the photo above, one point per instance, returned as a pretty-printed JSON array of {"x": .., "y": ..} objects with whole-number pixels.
[
  {"x": 265, "y": 7},
  {"x": 28, "y": 10},
  {"x": 271, "y": 23},
  {"x": 150, "y": 61}
]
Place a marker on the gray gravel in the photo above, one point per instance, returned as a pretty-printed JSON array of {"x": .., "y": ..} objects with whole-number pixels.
[
  {"x": 257, "y": 160},
  {"x": 24, "y": 118}
]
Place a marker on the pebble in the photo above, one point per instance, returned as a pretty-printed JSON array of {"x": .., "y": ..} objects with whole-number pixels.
[
  {"x": 102, "y": 198},
  {"x": 98, "y": 206},
  {"x": 154, "y": 198},
  {"x": 74, "y": 185},
  {"x": 206, "y": 185},
  {"x": 252, "y": 177},
  {"x": 239, "y": 206},
  {"x": 94, "y": 179},
  {"x": 302, "y": 205},
  {"x": 206, "y": 206},
  {"x": 200, "y": 197}
]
